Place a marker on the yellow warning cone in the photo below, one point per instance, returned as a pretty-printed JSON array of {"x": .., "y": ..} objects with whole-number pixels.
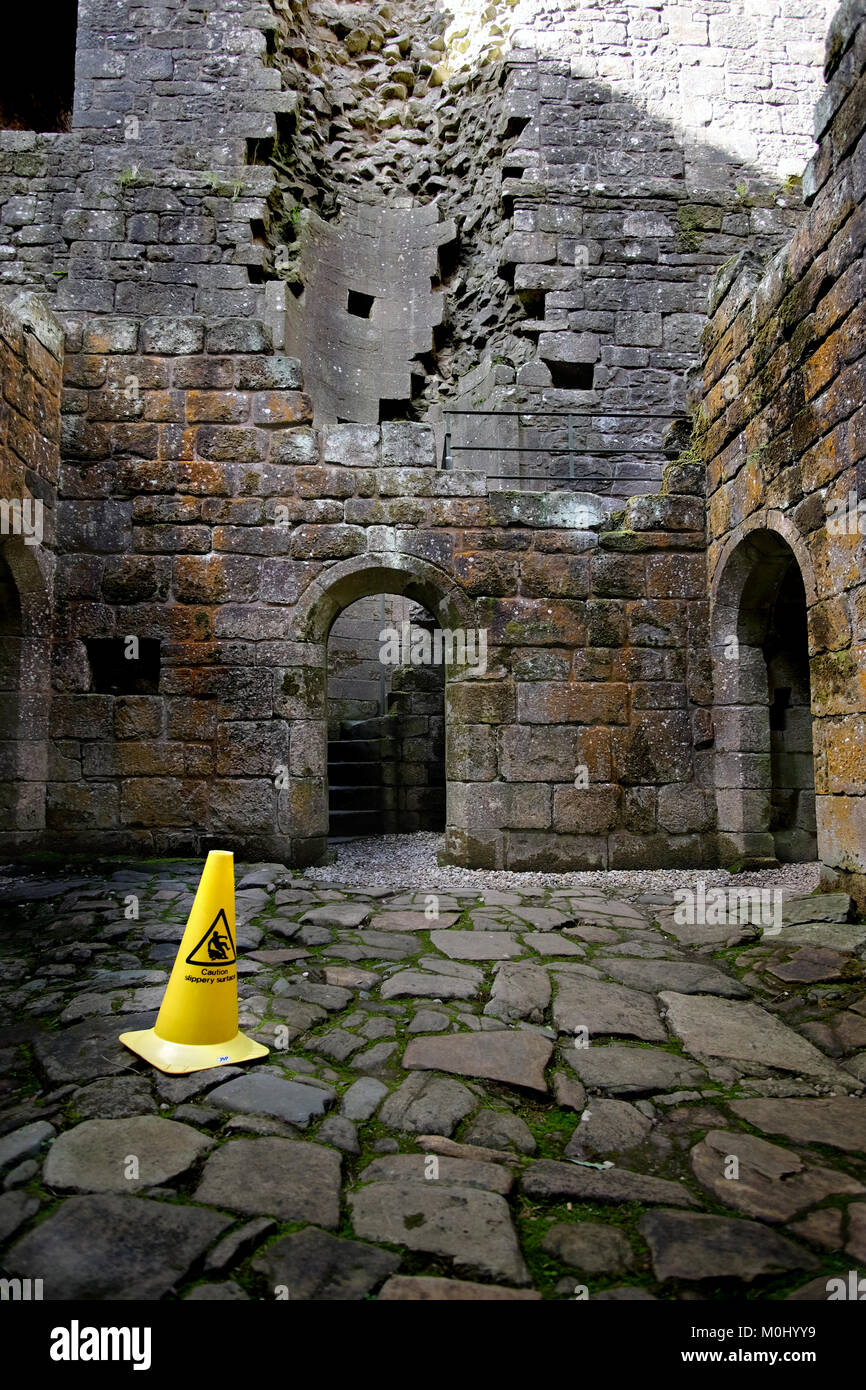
[{"x": 197, "y": 1025}]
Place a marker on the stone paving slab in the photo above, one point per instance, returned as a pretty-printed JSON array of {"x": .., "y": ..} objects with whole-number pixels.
[
  {"x": 606, "y": 1010},
  {"x": 312, "y": 1264},
  {"x": 412, "y": 921},
  {"x": 771, "y": 1182},
  {"x": 685, "y": 1245},
  {"x": 839, "y": 1122},
  {"x": 550, "y": 1181},
  {"x": 472, "y": 1228},
  {"x": 417, "y": 1132},
  {"x": 477, "y": 945},
  {"x": 633, "y": 1070},
  {"x": 516, "y": 1058},
  {"x": 685, "y": 977},
  {"x": 745, "y": 1033},
  {"x": 450, "y": 1172},
  {"x": 95, "y": 1156},
  {"x": 424, "y": 1289},
  {"x": 111, "y": 1247},
  {"x": 274, "y": 1177}
]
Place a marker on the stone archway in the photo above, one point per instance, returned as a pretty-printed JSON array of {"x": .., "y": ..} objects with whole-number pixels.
[
  {"x": 386, "y": 720},
  {"x": 25, "y": 692},
  {"x": 303, "y": 811},
  {"x": 764, "y": 753}
]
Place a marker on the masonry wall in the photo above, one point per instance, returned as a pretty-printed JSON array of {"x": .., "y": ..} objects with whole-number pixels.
[
  {"x": 783, "y": 399},
  {"x": 201, "y": 515},
  {"x": 358, "y": 683},
  {"x": 208, "y": 535},
  {"x": 590, "y": 165},
  {"x": 146, "y": 205}
]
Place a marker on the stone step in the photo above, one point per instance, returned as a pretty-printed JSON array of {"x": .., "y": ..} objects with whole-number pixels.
[
  {"x": 817, "y": 907},
  {"x": 355, "y": 750},
  {"x": 356, "y": 798},
  {"x": 356, "y": 822},
  {"x": 352, "y": 729},
  {"x": 343, "y": 774}
]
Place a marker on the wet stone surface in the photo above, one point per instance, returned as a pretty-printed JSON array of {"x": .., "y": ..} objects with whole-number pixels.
[{"x": 530, "y": 1089}]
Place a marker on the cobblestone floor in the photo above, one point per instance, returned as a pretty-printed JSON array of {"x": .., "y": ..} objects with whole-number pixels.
[{"x": 428, "y": 1124}]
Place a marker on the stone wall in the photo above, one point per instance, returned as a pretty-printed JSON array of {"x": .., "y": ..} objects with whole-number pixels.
[
  {"x": 597, "y": 172},
  {"x": 784, "y": 442},
  {"x": 598, "y": 162},
  {"x": 147, "y": 204},
  {"x": 359, "y": 683},
  {"x": 197, "y": 512}
]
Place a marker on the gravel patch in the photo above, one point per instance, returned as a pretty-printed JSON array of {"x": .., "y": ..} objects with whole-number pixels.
[{"x": 409, "y": 861}]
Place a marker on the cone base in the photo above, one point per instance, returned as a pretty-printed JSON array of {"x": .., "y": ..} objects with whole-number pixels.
[{"x": 179, "y": 1058}]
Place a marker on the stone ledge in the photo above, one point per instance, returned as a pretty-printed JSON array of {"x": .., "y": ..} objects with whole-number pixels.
[
  {"x": 841, "y": 34},
  {"x": 32, "y": 313}
]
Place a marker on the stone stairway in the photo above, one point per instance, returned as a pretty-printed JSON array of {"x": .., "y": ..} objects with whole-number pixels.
[{"x": 356, "y": 788}]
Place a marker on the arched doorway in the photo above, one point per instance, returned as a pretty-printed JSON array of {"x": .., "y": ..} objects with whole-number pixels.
[
  {"x": 24, "y": 693},
  {"x": 386, "y": 720},
  {"x": 10, "y": 694},
  {"x": 303, "y": 804},
  {"x": 764, "y": 757}
]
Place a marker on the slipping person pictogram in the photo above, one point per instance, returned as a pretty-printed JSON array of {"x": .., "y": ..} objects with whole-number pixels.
[{"x": 216, "y": 946}]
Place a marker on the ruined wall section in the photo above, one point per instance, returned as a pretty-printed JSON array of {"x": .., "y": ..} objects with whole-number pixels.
[
  {"x": 383, "y": 125},
  {"x": 365, "y": 325},
  {"x": 599, "y": 162},
  {"x": 736, "y": 76},
  {"x": 148, "y": 204},
  {"x": 785, "y": 442}
]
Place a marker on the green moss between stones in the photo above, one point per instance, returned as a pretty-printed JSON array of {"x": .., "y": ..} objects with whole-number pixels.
[{"x": 689, "y": 233}]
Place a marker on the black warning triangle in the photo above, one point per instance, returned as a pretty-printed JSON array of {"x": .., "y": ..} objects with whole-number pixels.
[{"x": 216, "y": 946}]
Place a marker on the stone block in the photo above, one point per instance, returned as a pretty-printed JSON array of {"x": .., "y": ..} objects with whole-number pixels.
[
  {"x": 172, "y": 337},
  {"x": 522, "y": 247},
  {"x": 572, "y": 703},
  {"x": 639, "y": 330},
  {"x": 568, "y": 347},
  {"x": 656, "y": 748},
  {"x": 271, "y": 373},
  {"x": 618, "y": 576},
  {"x": 585, "y": 810},
  {"x": 282, "y": 408},
  {"x": 138, "y": 716},
  {"x": 682, "y": 809},
  {"x": 543, "y": 852},
  {"x": 539, "y": 753},
  {"x": 472, "y": 753},
  {"x": 480, "y": 702},
  {"x": 407, "y": 445},
  {"x": 162, "y": 801},
  {"x": 239, "y": 335}
]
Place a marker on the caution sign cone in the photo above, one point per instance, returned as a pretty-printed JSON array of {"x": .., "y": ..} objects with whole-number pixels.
[{"x": 197, "y": 1024}]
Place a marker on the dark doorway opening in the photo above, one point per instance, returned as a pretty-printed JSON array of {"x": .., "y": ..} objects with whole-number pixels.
[
  {"x": 124, "y": 665},
  {"x": 37, "y": 67},
  {"x": 792, "y": 772},
  {"x": 386, "y": 720},
  {"x": 764, "y": 767}
]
